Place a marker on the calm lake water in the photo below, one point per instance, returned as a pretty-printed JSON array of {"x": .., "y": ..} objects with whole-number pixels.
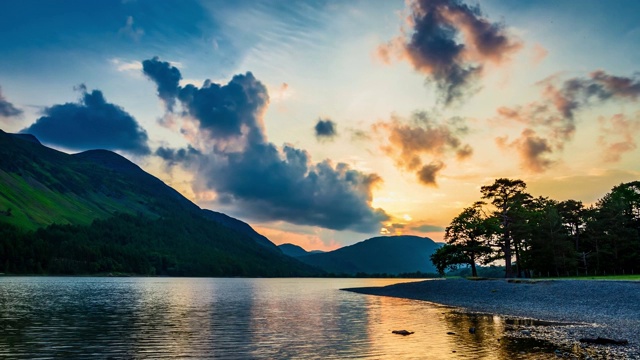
[{"x": 124, "y": 318}]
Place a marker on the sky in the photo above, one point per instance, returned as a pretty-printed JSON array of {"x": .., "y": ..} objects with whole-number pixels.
[{"x": 324, "y": 123}]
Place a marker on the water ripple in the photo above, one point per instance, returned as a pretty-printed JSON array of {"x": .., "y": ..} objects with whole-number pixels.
[{"x": 140, "y": 318}]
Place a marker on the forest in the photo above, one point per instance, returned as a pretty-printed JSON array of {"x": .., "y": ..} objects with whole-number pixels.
[
  {"x": 125, "y": 244},
  {"x": 543, "y": 237}
]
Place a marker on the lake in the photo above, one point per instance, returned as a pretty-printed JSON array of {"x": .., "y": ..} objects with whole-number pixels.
[{"x": 124, "y": 318}]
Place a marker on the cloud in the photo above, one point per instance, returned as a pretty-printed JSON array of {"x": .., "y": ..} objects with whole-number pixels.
[
  {"x": 427, "y": 228},
  {"x": 166, "y": 77},
  {"x": 92, "y": 123},
  {"x": 230, "y": 110},
  {"x": 624, "y": 130},
  {"x": 122, "y": 65},
  {"x": 325, "y": 129},
  {"x": 427, "y": 174},
  {"x": 248, "y": 172},
  {"x": 358, "y": 134},
  {"x": 532, "y": 149},
  {"x": 285, "y": 185},
  {"x": 464, "y": 152},
  {"x": 450, "y": 42},
  {"x": 551, "y": 122},
  {"x": 539, "y": 53},
  {"x": 7, "y": 109},
  {"x": 178, "y": 156},
  {"x": 135, "y": 33},
  {"x": 408, "y": 142}
]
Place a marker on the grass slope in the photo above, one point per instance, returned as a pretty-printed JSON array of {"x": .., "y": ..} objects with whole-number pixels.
[
  {"x": 108, "y": 215},
  {"x": 40, "y": 186}
]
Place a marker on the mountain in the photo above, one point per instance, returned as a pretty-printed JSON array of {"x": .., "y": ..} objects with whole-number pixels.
[
  {"x": 241, "y": 227},
  {"x": 296, "y": 251},
  {"x": 96, "y": 211},
  {"x": 378, "y": 255}
]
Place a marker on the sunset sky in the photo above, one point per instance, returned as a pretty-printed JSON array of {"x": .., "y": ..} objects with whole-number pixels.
[{"x": 323, "y": 123}]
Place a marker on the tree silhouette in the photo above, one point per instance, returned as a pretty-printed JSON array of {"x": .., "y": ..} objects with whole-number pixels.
[
  {"x": 471, "y": 233},
  {"x": 508, "y": 196}
]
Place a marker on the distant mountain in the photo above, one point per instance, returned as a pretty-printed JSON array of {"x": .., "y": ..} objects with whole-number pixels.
[
  {"x": 379, "y": 255},
  {"x": 103, "y": 213},
  {"x": 296, "y": 251}
]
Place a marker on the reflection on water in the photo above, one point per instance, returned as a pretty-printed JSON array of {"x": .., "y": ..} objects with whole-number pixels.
[{"x": 233, "y": 318}]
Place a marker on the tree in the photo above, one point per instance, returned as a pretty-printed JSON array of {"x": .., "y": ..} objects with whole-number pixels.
[
  {"x": 447, "y": 257},
  {"x": 508, "y": 196},
  {"x": 471, "y": 233},
  {"x": 615, "y": 228},
  {"x": 550, "y": 243}
]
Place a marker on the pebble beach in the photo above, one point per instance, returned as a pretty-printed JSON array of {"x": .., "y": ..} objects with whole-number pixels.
[{"x": 577, "y": 308}]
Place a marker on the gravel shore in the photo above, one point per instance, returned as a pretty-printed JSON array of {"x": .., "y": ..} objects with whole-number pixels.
[{"x": 592, "y": 309}]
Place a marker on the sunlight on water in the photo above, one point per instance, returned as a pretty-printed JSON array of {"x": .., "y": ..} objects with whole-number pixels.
[{"x": 232, "y": 319}]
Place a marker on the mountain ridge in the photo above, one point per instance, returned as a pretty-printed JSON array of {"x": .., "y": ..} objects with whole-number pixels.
[
  {"x": 44, "y": 192},
  {"x": 378, "y": 255}
]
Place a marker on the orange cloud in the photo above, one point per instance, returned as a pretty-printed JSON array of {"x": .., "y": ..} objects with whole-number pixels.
[
  {"x": 539, "y": 53},
  {"x": 624, "y": 129},
  {"x": 532, "y": 150},
  {"x": 421, "y": 136},
  {"x": 551, "y": 121}
]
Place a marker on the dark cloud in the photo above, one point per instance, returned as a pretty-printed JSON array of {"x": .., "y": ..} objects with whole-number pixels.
[
  {"x": 617, "y": 86},
  {"x": 264, "y": 181},
  {"x": 428, "y": 228},
  {"x": 224, "y": 111},
  {"x": 285, "y": 185},
  {"x": 325, "y": 129},
  {"x": 93, "y": 123},
  {"x": 450, "y": 42},
  {"x": 7, "y": 109},
  {"x": 427, "y": 174},
  {"x": 410, "y": 141},
  {"x": 552, "y": 121},
  {"x": 464, "y": 152},
  {"x": 166, "y": 77},
  {"x": 532, "y": 149},
  {"x": 230, "y": 110},
  {"x": 618, "y": 136},
  {"x": 178, "y": 156}
]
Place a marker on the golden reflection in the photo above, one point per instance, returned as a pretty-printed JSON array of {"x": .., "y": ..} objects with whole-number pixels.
[
  {"x": 439, "y": 332},
  {"x": 171, "y": 317}
]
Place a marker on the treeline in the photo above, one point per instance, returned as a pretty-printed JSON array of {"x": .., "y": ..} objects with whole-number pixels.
[
  {"x": 545, "y": 237},
  {"x": 182, "y": 245},
  {"x": 363, "y": 275}
]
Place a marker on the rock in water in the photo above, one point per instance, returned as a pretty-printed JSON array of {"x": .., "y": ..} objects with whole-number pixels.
[{"x": 402, "y": 332}]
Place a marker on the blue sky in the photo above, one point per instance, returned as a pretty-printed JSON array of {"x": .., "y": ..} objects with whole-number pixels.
[{"x": 548, "y": 94}]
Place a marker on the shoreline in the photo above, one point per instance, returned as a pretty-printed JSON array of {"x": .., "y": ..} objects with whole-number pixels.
[{"x": 579, "y": 308}]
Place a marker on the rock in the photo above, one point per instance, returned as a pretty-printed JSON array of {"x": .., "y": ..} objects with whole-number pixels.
[
  {"x": 558, "y": 353},
  {"x": 402, "y": 332},
  {"x": 604, "y": 341}
]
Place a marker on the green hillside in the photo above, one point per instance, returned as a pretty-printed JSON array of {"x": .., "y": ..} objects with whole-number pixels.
[
  {"x": 40, "y": 186},
  {"x": 97, "y": 212},
  {"x": 379, "y": 255}
]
